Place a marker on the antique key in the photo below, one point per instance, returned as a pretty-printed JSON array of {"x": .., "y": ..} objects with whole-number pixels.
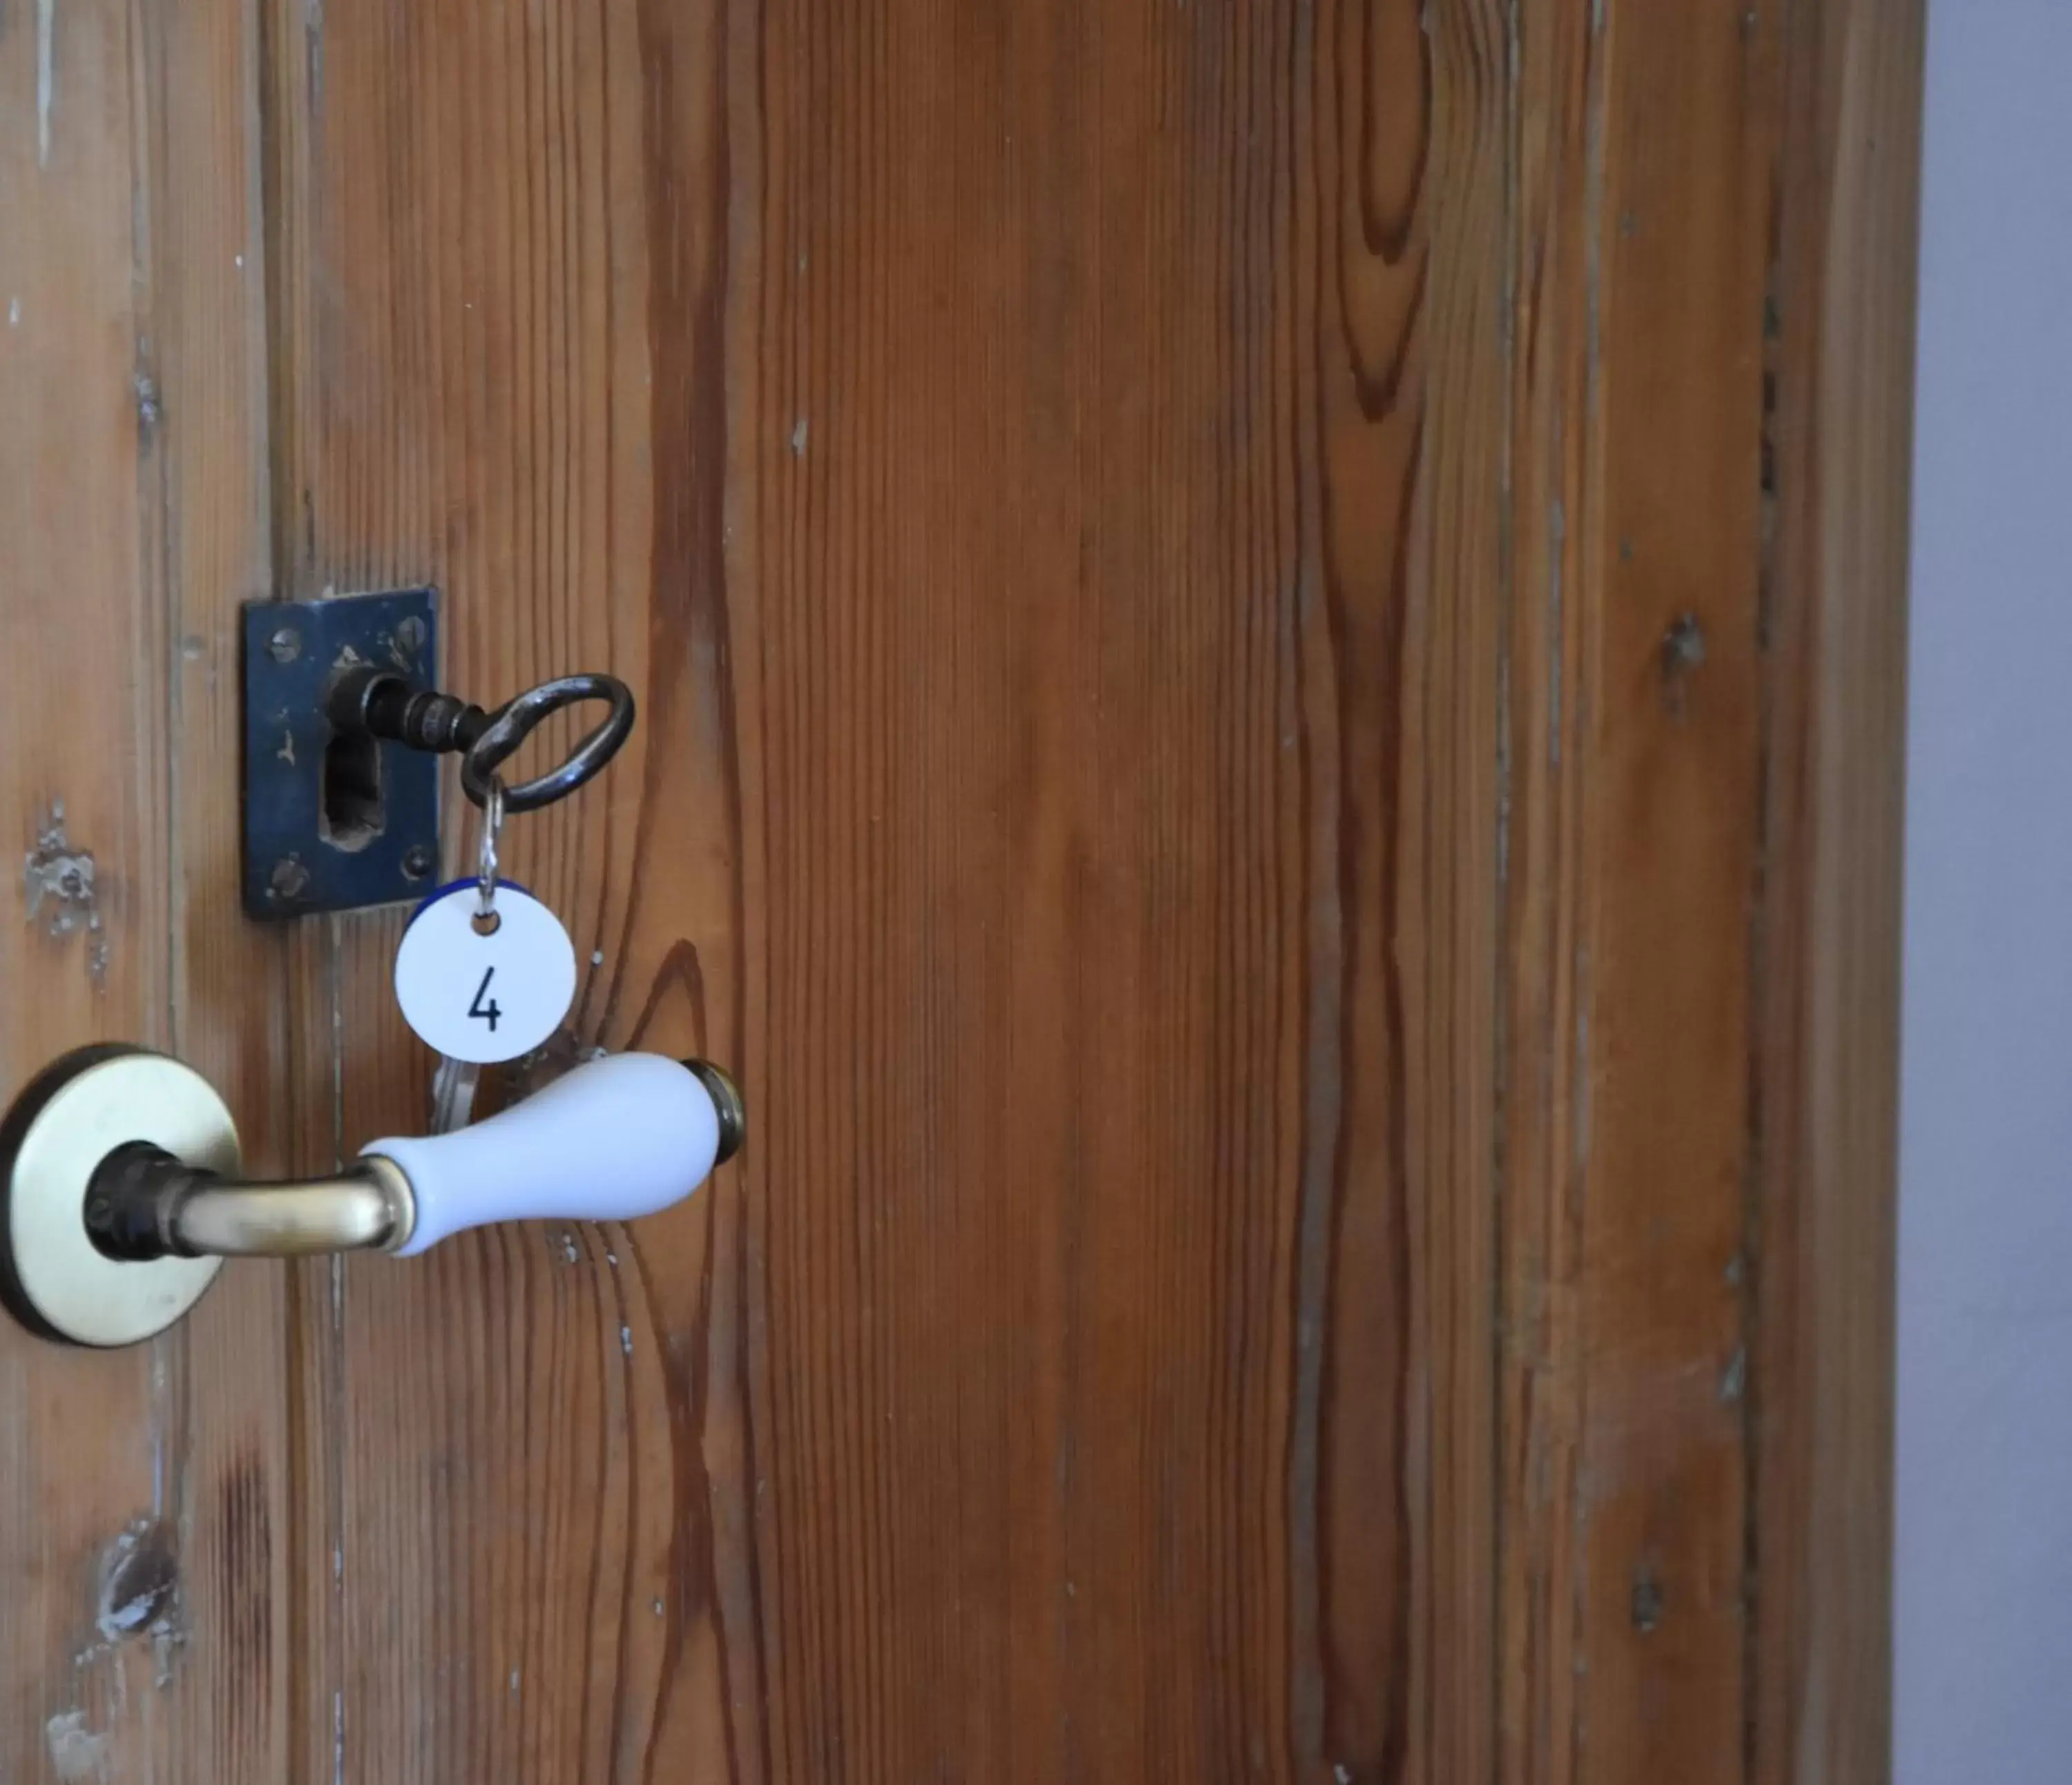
[{"x": 385, "y": 704}]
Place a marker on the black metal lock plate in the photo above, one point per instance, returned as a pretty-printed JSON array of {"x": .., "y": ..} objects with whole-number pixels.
[{"x": 335, "y": 823}]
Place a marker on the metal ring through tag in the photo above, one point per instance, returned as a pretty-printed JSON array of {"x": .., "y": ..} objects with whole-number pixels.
[{"x": 492, "y": 829}]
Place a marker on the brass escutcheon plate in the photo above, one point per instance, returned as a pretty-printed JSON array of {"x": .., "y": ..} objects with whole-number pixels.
[{"x": 80, "y": 1109}]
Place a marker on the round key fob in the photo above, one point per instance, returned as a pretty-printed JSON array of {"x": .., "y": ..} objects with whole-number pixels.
[{"x": 485, "y": 994}]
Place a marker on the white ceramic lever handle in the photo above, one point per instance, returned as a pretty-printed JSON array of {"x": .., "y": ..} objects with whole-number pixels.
[{"x": 622, "y": 1137}]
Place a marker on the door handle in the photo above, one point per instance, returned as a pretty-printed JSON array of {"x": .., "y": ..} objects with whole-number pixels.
[{"x": 119, "y": 1172}]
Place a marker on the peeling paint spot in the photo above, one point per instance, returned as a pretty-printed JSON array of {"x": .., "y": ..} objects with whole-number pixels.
[
  {"x": 799, "y": 439},
  {"x": 1683, "y": 644},
  {"x": 1683, "y": 655},
  {"x": 1647, "y": 1601},
  {"x": 58, "y": 873},
  {"x": 46, "y": 76},
  {"x": 1733, "y": 1379},
  {"x": 76, "y": 1752},
  {"x": 286, "y": 752},
  {"x": 14, "y": 312},
  {"x": 626, "y": 1340},
  {"x": 313, "y": 22},
  {"x": 148, "y": 411},
  {"x": 568, "y": 1251},
  {"x": 60, "y": 885},
  {"x": 658, "y": 1608},
  {"x": 514, "y": 1682},
  {"x": 139, "y": 1583}
]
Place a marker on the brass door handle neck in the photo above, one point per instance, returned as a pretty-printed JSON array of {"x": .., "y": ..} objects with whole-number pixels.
[{"x": 143, "y": 1202}]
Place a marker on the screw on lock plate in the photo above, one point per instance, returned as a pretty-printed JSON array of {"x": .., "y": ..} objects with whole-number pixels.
[{"x": 343, "y": 724}]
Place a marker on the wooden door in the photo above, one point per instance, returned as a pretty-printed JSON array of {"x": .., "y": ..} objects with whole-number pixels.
[{"x": 1267, "y": 635}]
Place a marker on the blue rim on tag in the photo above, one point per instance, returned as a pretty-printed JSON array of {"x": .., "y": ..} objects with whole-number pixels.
[{"x": 472, "y": 883}]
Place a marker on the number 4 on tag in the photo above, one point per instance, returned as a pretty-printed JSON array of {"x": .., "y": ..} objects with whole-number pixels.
[
  {"x": 486, "y": 1013},
  {"x": 484, "y": 999}
]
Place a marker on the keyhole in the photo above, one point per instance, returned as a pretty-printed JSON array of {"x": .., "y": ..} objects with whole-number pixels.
[{"x": 352, "y": 814}]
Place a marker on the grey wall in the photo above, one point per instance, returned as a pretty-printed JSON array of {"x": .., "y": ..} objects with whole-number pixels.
[{"x": 1983, "y": 1682}]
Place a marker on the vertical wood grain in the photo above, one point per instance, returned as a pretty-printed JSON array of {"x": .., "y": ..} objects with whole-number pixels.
[
  {"x": 1556, "y": 159},
  {"x": 141, "y": 1489},
  {"x": 1647, "y": 140},
  {"x": 1840, "y": 432},
  {"x": 1029, "y": 464},
  {"x": 85, "y": 928},
  {"x": 1214, "y": 786},
  {"x": 1268, "y": 639},
  {"x": 221, "y": 1403},
  {"x": 1666, "y": 716},
  {"x": 1704, "y": 772},
  {"x": 511, "y": 1570}
]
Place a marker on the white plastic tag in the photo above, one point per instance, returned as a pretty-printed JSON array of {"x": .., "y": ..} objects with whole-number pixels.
[{"x": 485, "y": 998}]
